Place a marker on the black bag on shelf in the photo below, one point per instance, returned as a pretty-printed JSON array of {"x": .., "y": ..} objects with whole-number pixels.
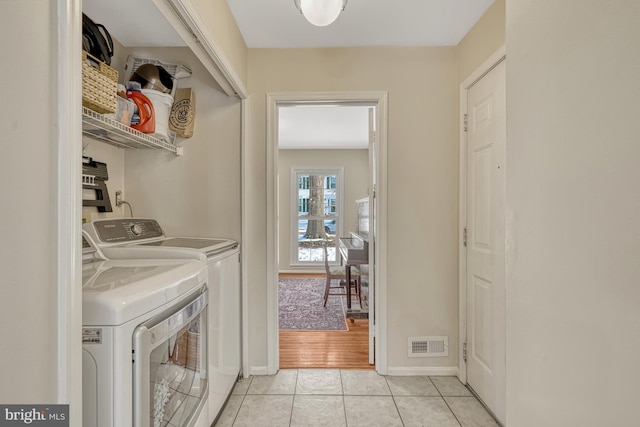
[{"x": 96, "y": 40}]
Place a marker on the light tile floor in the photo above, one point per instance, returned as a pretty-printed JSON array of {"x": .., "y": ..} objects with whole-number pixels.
[{"x": 334, "y": 397}]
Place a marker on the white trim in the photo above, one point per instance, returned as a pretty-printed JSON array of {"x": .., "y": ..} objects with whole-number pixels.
[
  {"x": 372, "y": 202},
  {"x": 489, "y": 64},
  {"x": 244, "y": 274},
  {"x": 496, "y": 58},
  {"x": 433, "y": 371},
  {"x": 67, "y": 138},
  {"x": 380, "y": 233},
  {"x": 380, "y": 99},
  {"x": 186, "y": 20},
  {"x": 273, "y": 331},
  {"x": 260, "y": 370}
]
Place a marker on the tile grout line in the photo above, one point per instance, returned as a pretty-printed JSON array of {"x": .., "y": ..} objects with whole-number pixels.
[
  {"x": 244, "y": 395},
  {"x": 344, "y": 404},
  {"x": 293, "y": 399},
  {"x": 445, "y": 401},
  {"x": 393, "y": 398},
  {"x": 235, "y": 417},
  {"x": 453, "y": 413}
]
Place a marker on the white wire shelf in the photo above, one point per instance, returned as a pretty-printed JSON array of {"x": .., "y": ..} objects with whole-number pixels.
[{"x": 104, "y": 129}]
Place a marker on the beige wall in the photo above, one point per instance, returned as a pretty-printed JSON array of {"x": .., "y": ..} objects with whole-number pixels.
[
  {"x": 28, "y": 284},
  {"x": 422, "y": 180},
  {"x": 486, "y": 36},
  {"x": 197, "y": 194},
  {"x": 222, "y": 25},
  {"x": 573, "y": 270},
  {"x": 356, "y": 173}
]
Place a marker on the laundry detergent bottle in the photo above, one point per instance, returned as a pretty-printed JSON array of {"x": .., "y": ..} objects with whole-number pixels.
[{"x": 144, "y": 109}]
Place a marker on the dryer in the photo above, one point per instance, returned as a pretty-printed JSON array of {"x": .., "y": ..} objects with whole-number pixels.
[
  {"x": 140, "y": 238},
  {"x": 144, "y": 359}
]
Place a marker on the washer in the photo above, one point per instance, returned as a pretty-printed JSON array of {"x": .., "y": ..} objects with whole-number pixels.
[
  {"x": 137, "y": 360},
  {"x": 140, "y": 238}
]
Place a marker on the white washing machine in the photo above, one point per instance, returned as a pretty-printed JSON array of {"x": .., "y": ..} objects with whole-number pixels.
[
  {"x": 144, "y": 360},
  {"x": 140, "y": 238}
]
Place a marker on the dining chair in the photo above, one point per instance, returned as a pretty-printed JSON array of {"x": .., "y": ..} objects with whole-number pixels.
[{"x": 337, "y": 272}]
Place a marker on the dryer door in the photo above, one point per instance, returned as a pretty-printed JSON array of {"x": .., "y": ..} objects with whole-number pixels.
[{"x": 170, "y": 381}]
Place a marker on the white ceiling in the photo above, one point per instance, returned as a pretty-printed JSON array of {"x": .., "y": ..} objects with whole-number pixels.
[
  {"x": 323, "y": 127},
  {"x": 278, "y": 24},
  {"x": 133, "y": 23}
]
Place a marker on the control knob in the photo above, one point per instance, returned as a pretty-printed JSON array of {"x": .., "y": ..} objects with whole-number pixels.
[{"x": 136, "y": 229}]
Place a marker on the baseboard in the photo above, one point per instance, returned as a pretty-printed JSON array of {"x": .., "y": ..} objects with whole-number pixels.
[
  {"x": 432, "y": 371},
  {"x": 301, "y": 272},
  {"x": 259, "y": 370}
]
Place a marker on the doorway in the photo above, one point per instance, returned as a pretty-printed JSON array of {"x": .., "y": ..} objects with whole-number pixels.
[
  {"x": 482, "y": 219},
  {"x": 376, "y": 282},
  {"x": 323, "y": 168}
]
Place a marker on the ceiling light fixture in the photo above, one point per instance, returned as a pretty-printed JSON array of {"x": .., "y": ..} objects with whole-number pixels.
[{"x": 320, "y": 12}]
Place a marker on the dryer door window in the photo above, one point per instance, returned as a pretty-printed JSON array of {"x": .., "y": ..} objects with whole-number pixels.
[{"x": 170, "y": 370}]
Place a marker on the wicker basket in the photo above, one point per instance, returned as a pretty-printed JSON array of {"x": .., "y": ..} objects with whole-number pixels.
[{"x": 99, "y": 85}]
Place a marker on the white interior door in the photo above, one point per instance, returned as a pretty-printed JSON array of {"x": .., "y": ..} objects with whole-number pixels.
[
  {"x": 372, "y": 234},
  {"x": 485, "y": 275}
]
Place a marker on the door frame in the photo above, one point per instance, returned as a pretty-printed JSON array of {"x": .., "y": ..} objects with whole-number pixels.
[
  {"x": 496, "y": 58},
  {"x": 67, "y": 146},
  {"x": 380, "y": 100}
]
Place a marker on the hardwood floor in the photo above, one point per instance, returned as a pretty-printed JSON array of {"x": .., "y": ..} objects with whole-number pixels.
[
  {"x": 301, "y": 275},
  {"x": 325, "y": 349}
]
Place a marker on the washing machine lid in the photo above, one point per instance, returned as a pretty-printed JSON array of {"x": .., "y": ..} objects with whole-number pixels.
[
  {"x": 115, "y": 292},
  {"x": 111, "y": 235},
  {"x": 209, "y": 246}
]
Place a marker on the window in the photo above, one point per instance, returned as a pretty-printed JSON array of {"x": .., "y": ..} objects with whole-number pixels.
[{"x": 316, "y": 217}]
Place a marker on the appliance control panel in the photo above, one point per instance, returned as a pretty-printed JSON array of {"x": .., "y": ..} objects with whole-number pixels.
[{"x": 126, "y": 229}]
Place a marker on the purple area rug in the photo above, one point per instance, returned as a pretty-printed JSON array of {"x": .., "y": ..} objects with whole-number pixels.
[{"x": 300, "y": 305}]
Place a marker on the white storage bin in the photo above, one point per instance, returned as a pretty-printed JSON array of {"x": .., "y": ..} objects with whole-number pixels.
[{"x": 162, "y": 103}]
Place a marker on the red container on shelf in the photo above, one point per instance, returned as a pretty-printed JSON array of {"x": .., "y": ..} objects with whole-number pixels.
[{"x": 147, "y": 123}]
